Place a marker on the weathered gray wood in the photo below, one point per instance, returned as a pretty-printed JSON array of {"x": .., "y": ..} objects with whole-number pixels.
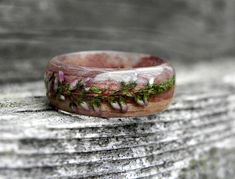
[
  {"x": 32, "y": 31},
  {"x": 194, "y": 138}
]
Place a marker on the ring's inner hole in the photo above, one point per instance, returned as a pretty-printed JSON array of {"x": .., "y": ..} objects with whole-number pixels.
[{"x": 111, "y": 59}]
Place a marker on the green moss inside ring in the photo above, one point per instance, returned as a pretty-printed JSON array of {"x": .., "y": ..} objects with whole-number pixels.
[{"x": 91, "y": 97}]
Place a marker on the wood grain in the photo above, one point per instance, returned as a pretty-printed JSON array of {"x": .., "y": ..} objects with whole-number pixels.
[
  {"x": 193, "y": 138},
  {"x": 32, "y": 32}
]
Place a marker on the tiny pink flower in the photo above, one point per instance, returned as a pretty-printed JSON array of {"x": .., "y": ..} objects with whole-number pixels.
[
  {"x": 61, "y": 76},
  {"x": 124, "y": 107},
  {"x": 140, "y": 102},
  {"x": 115, "y": 105},
  {"x": 84, "y": 105},
  {"x": 87, "y": 89},
  {"x": 96, "y": 109},
  {"x": 55, "y": 83},
  {"x": 73, "y": 85},
  {"x": 62, "y": 97},
  {"x": 145, "y": 101},
  {"x": 74, "y": 108}
]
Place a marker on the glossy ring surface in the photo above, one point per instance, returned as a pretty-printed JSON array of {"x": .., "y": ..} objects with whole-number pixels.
[{"x": 109, "y": 83}]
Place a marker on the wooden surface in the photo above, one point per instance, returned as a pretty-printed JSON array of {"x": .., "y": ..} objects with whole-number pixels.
[
  {"x": 32, "y": 31},
  {"x": 194, "y": 138}
]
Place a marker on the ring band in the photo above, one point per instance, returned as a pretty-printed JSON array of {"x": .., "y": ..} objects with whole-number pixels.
[{"x": 109, "y": 83}]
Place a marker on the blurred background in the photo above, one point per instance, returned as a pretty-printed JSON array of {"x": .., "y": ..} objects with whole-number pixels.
[
  {"x": 187, "y": 31},
  {"x": 195, "y": 137}
]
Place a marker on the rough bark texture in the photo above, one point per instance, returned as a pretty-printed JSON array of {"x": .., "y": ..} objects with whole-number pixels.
[{"x": 194, "y": 138}]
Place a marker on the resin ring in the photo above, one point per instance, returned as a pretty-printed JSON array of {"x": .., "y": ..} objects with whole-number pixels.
[{"x": 109, "y": 83}]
